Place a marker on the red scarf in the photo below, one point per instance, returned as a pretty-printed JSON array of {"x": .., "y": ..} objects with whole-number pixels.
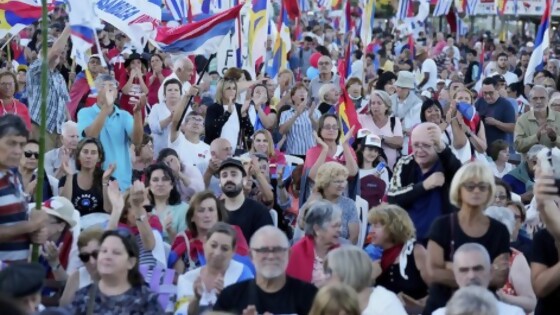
[
  {"x": 302, "y": 258},
  {"x": 389, "y": 256},
  {"x": 153, "y": 220}
]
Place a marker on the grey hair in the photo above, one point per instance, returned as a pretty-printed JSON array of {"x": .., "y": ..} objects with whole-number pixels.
[
  {"x": 538, "y": 87},
  {"x": 180, "y": 62},
  {"x": 67, "y": 125},
  {"x": 502, "y": 215},
  {"x": 270, "y": 231},
  {"x": 320, "y": 213},
  {"x": 386, "y": 99},
  {"x": 473, "y": 247},
  {"x": 102, "y": 78},
  {"x": 472, "y": 300},
  {"x": 534, "y": 150}
]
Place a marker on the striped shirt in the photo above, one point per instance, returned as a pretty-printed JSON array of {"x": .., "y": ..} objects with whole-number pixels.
[
  {"x": 300, "y": 137},
  {"x": 13, "y": 209},
  {"x": 57, "y": 97}
]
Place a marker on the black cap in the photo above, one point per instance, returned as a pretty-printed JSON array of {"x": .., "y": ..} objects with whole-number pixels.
[
  {"x": 231, "y": 162},
  {"x": 135, "y": 56},
  {"x": 22, "y": 279}
]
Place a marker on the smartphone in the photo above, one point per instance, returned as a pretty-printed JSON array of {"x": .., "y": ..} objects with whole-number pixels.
[{"x": 380, "y": 167}]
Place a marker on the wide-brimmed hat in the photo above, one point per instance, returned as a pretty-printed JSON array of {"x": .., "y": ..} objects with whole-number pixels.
[
  {"x": 135, "y": 56},
  {"x": 61, "y": 208},
  {"x": 405, "y": 80}
]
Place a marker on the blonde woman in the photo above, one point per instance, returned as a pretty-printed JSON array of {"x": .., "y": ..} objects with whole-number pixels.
[
  {"x": 328, "y": 98},
  {"x": 378, "y": 121},
  {"x": 330, "y": 184},
  {"x": 336, "y": 299},
  {"x": 227, "y": 119},
  {"x": 352, "y": 266},
  {"x": 518, "y": 289},
  {"x": 403, "y": 268},
  {"x": 472, "y": 190},
  {"x": 264, "y": 144},
  {"x": 474, "y": 128}
]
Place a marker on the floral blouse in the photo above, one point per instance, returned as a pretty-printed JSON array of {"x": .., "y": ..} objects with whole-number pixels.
[{"x": 136, "y": 301}]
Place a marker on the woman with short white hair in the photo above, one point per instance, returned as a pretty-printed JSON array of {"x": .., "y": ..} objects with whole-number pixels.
[
  {"x": 518, "y": 289},
  {"x": 328, "y": 97},
  {"x": 322, "y": 233},
  {"x": 472, "y": 300}
]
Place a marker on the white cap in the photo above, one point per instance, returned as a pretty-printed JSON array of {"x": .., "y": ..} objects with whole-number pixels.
[
  {"x": 373, "y": 140},
  {"x": 530, "y": 45}
]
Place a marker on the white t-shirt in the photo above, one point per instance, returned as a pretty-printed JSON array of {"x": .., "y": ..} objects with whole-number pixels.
[
  {"x": 190, "y": 153},
  {"x": 501, "y": 174},
  {"x": 503, "y": 309},
  {"x": 384, "y": 302},
  {"x": 186, "y": 88},
  {"x": 231, "y": 128},
  {"x": 510, "y": 78},
  {"x": 429, "y": 66}
]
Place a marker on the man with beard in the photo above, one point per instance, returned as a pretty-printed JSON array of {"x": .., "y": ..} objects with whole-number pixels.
[
  {"x": 271, "y": 292},
  {"x": 248, "y": 214},
  {"x": 472, "y": 267}
]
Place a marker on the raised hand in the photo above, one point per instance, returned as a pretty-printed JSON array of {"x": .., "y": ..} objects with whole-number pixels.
[
  {"x": 115, "y": 195},
  {"x": 138, "y": 103},
  {"x": 109, "y": 172},
  {"x": 320, "y": 141},
  {"x": 137, "y": 194},
  {"x": 50, "y": 252}
]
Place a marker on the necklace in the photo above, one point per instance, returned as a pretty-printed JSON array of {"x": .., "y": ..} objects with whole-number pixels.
[{"x": 5, "y": 111}]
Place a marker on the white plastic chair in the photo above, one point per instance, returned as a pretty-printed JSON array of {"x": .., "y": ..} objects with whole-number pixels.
[
  {"x": 274, "y": 216},
  {"x": 362, "y": 208},
  {"x": 293, "y": 160}
]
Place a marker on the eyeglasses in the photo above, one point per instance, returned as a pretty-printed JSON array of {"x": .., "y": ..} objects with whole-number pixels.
[
  {"x": 501, "y": 197},
  {"x": 270, "y": 250},
  {"x": 330, "y": 127},
  {"x": 306, "y": 81},
  {"x": 483, "y": 187},
  {"x": 85, "y": 257},
  {"x": 29, "y": 154}
]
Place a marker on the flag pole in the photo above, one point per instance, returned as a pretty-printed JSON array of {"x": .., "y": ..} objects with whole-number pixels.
[
  {"x": 189, "y": 103},
  {"x": 42, "y": 125}
]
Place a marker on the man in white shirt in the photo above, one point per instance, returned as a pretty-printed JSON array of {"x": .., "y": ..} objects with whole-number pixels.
[
  {"x": 472, "y": 266},
  {"x": 428, "y": 70},
  {"x": 503, "y": 69},
  {"x": 189, "y": 147},
  {"x": 183, "y": 70}
]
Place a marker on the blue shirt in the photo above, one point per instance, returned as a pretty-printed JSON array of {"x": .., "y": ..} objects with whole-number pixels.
[{"x": 115, "y": 138}]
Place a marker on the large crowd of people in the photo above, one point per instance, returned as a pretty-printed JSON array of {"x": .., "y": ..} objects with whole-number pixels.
[{"x": 443, "y": 198}]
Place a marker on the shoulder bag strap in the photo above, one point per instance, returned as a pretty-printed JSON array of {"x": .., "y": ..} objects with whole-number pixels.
[
  {"x": 452, "y": 236},
  {"x": 91, "y": 299}
]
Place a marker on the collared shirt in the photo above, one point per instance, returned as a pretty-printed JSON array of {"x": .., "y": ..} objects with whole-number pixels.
[
  {"x": 316, "y": 84},
  {"x": 57, "y": 97},
  {"x": 299, "y": 138},
  {"x": 53, "y": 161},
  {"x": 527, "y": 128},
  {"x": 115, "y": 136}
]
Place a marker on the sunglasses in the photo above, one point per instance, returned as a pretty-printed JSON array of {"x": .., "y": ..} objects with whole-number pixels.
[
  {"x": 29, "y": 154},
  {"x": 483, "y": 187},
  {"x": 85, "y": 257},
  {"x": 270, "y": 250}
]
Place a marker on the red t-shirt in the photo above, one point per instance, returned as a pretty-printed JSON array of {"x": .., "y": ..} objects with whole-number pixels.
[
  {"x": 125, "y": 98},
  {"x": 17, "y": 108},
  {"x": 117, "y": 61},
  {"x": 154, "y": 87}
]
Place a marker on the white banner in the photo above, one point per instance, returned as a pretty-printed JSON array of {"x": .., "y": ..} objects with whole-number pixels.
[
  {"x": 530, "y": 8},
  {"x": 135, "y": 18}
]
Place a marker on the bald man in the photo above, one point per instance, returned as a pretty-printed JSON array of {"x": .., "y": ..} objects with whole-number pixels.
[
  {"x": 183, "y": 70},
  {"x": 421, "y": 180},
  {"x": 220, "y": 150}
]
